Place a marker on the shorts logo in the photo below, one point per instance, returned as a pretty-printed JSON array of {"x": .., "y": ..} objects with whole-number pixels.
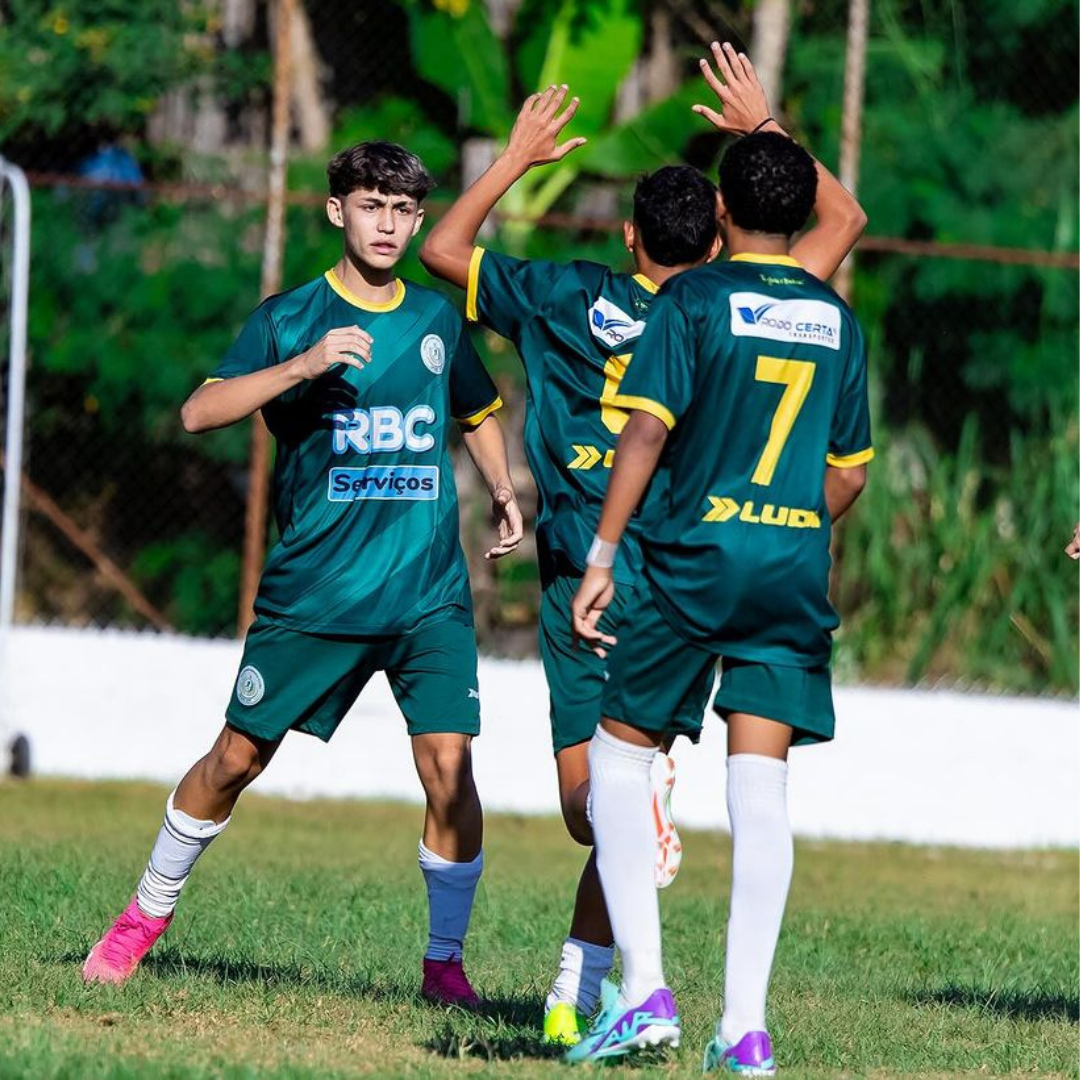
[
  {"x": 473, "y": 694},
  {"x": 250, "y": 686},
  {"x": 799, "y": 322},
  {"x": 612, "y": 325},
  {"x": 418, "y": 483},
  {"x": 433, "y": 353}
]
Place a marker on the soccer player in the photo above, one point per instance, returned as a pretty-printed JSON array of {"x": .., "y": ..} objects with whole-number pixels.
[
  {"x": 576, "y": 326},
  {"x": 359, "y": 375},
  {"x": 749, "y": 426}
]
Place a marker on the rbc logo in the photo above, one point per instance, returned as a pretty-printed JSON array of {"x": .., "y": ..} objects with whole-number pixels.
[{"x": 383, "y": 429}]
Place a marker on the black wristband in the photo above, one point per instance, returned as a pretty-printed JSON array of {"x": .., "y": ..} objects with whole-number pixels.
[{"x": 767, "y": 120}]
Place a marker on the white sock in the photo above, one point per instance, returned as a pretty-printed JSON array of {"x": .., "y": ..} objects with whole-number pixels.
[
  {"x": 582, "y": 967},
  {"x": 180, "y": 842},
  {"x": 626, "y": 857},
  {"x": 451, "y": 887},
  {"x": 761, "y": 865}
]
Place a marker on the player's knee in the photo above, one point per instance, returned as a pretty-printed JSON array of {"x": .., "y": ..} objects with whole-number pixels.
[
  {"x": 577, "y": 823},
  {"x": 446, "y": 771},
  {"x": 234, "y": 762}
]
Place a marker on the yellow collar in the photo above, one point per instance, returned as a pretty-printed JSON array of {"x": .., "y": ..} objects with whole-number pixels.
[
  {"x": 647, "y": 283},
  {"x": 779, "y": 260},
  {"x": 366, "y": 305}
]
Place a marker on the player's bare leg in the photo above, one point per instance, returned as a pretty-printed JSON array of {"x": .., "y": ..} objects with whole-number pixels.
[
  {"x": 762, "y": 862},
  {"x": 451, "y": 860},
  {"x": 195, "y": 813},
  {"x": 588, "y": 951}
]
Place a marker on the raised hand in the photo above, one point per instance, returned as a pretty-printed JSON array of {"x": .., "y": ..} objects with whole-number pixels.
[
  {"x": 343, "y": 345},
  {"x": 534, "y": 138},
  {"x": 741, "y": 96},
  {"x": 508, "y": 515}
]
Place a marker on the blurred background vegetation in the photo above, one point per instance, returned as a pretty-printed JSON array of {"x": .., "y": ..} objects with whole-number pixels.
[{"x": 949, "y": 571}]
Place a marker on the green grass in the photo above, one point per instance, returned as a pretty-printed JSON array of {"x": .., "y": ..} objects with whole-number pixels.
[{"x": 297, "y": 947}]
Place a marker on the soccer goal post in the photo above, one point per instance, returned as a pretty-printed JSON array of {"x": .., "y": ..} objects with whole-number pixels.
[{"x": 15, "y": 239}]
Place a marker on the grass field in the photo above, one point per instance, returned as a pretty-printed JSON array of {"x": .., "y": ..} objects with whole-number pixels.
[{"x": 296, "y": 950}]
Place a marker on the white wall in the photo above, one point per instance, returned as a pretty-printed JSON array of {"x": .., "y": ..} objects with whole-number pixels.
[{"x": 906, "y": 765}]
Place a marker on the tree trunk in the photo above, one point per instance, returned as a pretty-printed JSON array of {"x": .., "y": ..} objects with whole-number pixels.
[
  {"x": 310, "y": 113},
  {"x": 772, "y": 25}
]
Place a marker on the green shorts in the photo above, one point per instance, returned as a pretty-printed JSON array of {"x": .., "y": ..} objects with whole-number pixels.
[
  {"x": 798, "y": 697},
  {"x": 576, "y": 676},
  {"x": 656, "y": 675},
  {"x": 290, "y": 681}
]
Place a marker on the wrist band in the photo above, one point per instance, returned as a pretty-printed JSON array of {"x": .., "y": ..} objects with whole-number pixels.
[
  {"x": 767, "y": 120},
  {"x": 601, "y": 554}
]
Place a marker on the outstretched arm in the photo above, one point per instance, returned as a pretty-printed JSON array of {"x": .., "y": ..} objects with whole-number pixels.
[
  {"x": 487, "y": 448},
  {"x": 448, "y": 248},
  {"x": 840, "y": 218},
  {"x": 636, "y": 457}
]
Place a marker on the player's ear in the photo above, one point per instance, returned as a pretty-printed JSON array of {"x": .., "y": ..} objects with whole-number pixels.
[
  {"x": 335, "y": 211},
  {"x": 715, "y": 248},
  {"x": 418, "y": 222},
  {"x": 629, "y": 235}
]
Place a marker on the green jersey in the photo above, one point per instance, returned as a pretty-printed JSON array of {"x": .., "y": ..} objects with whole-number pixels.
[
  {"x": 364, "y": 492},
  {"x": 759, "y": 370},
  {"x": 575, "y": 326}
]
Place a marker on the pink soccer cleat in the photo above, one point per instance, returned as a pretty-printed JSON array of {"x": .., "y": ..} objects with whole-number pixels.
[
  {"x": 445, "y": 983},
  {"x": 127, "y": 941}
]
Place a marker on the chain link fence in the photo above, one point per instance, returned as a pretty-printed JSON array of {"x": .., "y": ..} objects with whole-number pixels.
[{"x": 145, "y": 133}]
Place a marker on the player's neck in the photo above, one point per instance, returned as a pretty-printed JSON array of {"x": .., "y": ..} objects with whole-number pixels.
[
  {"x": 367, "y": 283},
  {"x": 741, "y": 242},
  {"x": 656, "y": 273}
]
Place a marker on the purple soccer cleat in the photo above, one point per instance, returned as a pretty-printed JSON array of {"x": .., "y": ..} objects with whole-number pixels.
[
  {"x": 750, "y": 1056},
  {"x": 445, "y": 983},
  {"x": 622, "y": 1028}
]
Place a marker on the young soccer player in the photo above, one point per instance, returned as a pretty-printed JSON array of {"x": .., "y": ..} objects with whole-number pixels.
[
  {"x": 749, "y": 393},
  {"x": 576, "y": 326},
  {"x": 358, "y": 374}
]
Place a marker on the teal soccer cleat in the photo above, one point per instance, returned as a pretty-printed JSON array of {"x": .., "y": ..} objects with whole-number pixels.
[
  {"x": 750, "y": 1056},
  {"x": 621, "y": 1028}
]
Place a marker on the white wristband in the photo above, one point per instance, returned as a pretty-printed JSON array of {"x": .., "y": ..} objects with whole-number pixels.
[{"x": 601, "y": 554}]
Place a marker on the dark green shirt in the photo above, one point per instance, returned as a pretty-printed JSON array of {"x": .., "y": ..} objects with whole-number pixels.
[
  {"x": 364, "y": 491},
  {"x": 759, "y": 370},
  {"x": 575, "y": 327}
]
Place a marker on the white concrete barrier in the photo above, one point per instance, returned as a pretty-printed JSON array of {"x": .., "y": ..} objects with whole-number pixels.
[{"x": 919, "y": 766}]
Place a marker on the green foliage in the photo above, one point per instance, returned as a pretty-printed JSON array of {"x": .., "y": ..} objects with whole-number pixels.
[
  {"x": 296, "y": 950},
  {"x": 94, "y": 63},
  {"x": 951, "y": 566},
  {"x": 202, "y": 576}
]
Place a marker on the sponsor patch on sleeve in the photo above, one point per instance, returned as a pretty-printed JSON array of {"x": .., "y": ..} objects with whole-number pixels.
[
  {"x": 800, "y": 322},
  {"x": 612, "y": 325}
]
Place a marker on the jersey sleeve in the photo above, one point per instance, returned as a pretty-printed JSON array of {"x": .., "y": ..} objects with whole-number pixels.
[
  {"x": 660, "y": 378},
  {"x": 254, "y": 350},
  {"x": 849, "y": 436},
  {"x": 502, "y": 292},
  {"x": 473, "y": 395}
]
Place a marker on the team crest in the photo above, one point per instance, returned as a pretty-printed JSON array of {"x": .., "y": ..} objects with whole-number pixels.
[
  {"x": 433, "y": 353},
  {"x": 250, "y": 686}
]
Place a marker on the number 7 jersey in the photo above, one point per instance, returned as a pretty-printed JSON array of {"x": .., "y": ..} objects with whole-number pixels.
[{"x": 759, "y": 371}]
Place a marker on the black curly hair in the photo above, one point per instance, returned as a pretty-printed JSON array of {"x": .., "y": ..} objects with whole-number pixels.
[
  {"x": 769, "y": 183},
  {"x": 675, "y": 215}
]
